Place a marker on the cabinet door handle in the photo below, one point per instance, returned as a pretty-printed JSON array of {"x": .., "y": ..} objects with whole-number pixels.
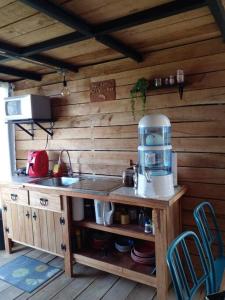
[
  {"x": 27, "y": 215},
  {"x": 14, "y": 197},
  {"x": 5, "y": 208},
  {"x": 34, "y": 216},
  {"x": 44, "y": 201}
]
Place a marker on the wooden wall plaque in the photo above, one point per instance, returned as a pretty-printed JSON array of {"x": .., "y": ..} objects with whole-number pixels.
[{"x": 103, "y": 90}]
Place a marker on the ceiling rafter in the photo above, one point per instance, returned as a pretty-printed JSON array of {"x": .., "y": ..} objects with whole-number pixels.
[
  {"x": 17, "y": 52},
  {"x": 20, "y": 73},
  {"x": 146, "y": 16},
  {"x": 77, "y": 23},
  {"x": 100, "y": 32},
  {"x": 53, "y": 43},
  {"x": 218, "y": 11}
]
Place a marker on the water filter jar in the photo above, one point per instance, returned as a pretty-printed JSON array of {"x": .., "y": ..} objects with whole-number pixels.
[
  {"x": 155, "y": 156},
  {"x": 155, "y": 136},
  {"x": 155, "y": 159}
]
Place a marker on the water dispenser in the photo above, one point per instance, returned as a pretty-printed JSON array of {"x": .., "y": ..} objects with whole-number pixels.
[{"x": 155, "y": 176}]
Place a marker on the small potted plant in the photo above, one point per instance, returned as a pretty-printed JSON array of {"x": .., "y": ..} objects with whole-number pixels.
[{"x": 139, "y": 90}]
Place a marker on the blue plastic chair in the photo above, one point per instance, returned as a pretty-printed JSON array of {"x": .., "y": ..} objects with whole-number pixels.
[
  {"x": 204, "y": 216},
  {"x": 185, "y": 280}
]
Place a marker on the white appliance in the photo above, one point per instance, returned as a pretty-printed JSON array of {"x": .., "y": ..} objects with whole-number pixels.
[
  {"x": 104, "y": 212},
  {"x": 155, "y": 178},
  {"x": 27, "y": 107},
  {"x": 78, "y": 209}
]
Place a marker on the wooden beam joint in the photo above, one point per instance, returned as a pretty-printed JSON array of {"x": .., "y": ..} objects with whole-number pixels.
[{"x": 218, "y": 11}]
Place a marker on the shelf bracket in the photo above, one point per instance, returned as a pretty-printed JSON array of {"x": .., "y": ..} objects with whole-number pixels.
[
  {"x": 46, "y": 130},
  {"x": 25, "y": 130}
]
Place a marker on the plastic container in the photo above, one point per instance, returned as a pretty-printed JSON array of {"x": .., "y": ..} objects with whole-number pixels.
[
  {"x": 155, "y": 136},
  {"x": 154, "y": 130},
  {"x": 158, "y": 160},
  {"x": 155, "y": 176},
  {"x": 78, "y": 209}
]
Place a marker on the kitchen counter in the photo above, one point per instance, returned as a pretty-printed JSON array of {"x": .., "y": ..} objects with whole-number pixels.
[
  {"x": 39, "y": 216},
  {"x": 17, "y": 180},
  {"x": 131, "y": 193},
  {"x": 127, "y": 195}
]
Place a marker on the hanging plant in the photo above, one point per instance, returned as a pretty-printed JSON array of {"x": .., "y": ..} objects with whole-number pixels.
[{"x": 139, "y": 90}]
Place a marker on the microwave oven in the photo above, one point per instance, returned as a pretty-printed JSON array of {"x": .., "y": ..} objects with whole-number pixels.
[{"x": 27, "y": 107}]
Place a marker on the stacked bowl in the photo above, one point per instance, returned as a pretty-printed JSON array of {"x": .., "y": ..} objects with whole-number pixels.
[{"x": 144, "y": 253}]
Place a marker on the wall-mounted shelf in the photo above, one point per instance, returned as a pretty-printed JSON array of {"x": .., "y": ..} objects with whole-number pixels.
[
  {"x": 178, "y": 86},
  {"x": 33, "y": 122}
]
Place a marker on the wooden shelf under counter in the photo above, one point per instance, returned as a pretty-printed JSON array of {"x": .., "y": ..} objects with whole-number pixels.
[
  {"x": 131, "y": 230},
  {"x": 117, "y": 263}
]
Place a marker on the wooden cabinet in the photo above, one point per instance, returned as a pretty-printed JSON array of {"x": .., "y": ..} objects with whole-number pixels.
[
  {"x": 41, "y": 228},
  {"x": 28, "y": 226},
  {"x": 18, "y": 223},
  {"x": 166, "y": 220},
  {"x": 7, "y": 219},
  {"x": 46, "y": 201},
  {"x": 15, "y": 195},
  {"x": 43, "y": 221}
]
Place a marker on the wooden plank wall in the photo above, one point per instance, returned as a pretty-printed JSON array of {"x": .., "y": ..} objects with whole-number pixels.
[{"x": 102, "y": 136}]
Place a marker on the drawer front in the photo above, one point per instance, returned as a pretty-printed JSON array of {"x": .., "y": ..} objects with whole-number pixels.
[
  {"x": 45, "y": 201},
  {"x": 15, "y": 195}
]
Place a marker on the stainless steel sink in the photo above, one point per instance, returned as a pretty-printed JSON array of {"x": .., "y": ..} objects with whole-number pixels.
[
  {"x": 99, "y": 185},
  {"x": 58, "y": 181}
]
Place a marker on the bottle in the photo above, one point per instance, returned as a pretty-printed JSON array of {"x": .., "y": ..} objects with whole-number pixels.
[
  {"x": 78, "y": 239},
  {"x": 148, "y": 226},
  {"x": 141, "y": 217}
]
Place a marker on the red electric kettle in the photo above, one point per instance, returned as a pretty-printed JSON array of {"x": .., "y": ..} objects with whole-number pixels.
[{"x": 37, "y": 163}]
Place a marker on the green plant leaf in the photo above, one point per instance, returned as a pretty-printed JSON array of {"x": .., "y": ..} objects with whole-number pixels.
[{"x": 139, "y": 89}]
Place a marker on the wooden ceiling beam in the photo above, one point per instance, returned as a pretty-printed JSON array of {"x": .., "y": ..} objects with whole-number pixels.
[
  {"x": 59, "y": 13},
  {"x": 149, "y": 15},
  {"x": 146, "y": 16},
  {"x": 20, "y": 73},
  {"x": 17, "y": 53},
  {"x": 53, "y": 43},
  {"x": 77, "y": 23},
  {"x": 218, "y": 11}
]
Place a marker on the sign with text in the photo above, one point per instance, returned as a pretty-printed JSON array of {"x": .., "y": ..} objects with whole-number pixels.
[{"x": 103, "y": 90}]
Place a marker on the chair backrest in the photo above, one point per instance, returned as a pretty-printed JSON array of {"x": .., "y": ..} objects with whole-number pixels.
[
  {"x": 205, "y": 219},
  {"x": 185, "y": 279}
]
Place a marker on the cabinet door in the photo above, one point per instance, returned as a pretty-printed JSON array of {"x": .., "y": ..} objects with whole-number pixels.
[
  {"x": 58, "y": 232},
  {"x": 36, "y": 227},
  {"x": 47, "y": 230},
  {"x": 15, "y": 223},
  {"x": 21, "y": 224},
  {"x": 7, "y": 218},
  {"x": 28, "y": 226},
  {"x": 55, "y": 238},
  {"x": 43, "y": 229}
]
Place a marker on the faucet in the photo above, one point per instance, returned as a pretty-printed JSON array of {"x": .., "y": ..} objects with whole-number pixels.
[
  {"x": 70, "y": 170},
  {"x": 148, "y": 175}
]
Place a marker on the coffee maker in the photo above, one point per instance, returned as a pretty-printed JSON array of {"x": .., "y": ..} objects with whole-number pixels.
[{"x": 155, "y": 178}]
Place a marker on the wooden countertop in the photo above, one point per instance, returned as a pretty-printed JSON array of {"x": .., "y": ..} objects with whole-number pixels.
[{"x": 124, "y": 195}]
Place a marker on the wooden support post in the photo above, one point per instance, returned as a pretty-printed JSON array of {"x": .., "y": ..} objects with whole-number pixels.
[
  {"x": 6, "y": 227},
  {"x": 68, "y": 257},
  {"x": 8, "y": 244},
  {"x": 162, "y": 282}
]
